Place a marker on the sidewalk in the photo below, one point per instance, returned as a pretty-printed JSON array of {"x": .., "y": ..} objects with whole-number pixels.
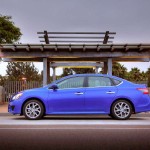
[{"x": 4, "y": 108}]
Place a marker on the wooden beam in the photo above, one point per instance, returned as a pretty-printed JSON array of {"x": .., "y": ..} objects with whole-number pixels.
[
  {"x": 70, "y": 48},
  {"x": 84, "y": 48},
  {"x": 98, "y": 48},
  {"x": 46, "y": 37},
  {"x": 56, "y": 49},
  {"x": 74, "y": 37},
  {"x": 105, "y": 41},
  {"x": 76, "y": 59},
  {"x": 76, "y": 32}
]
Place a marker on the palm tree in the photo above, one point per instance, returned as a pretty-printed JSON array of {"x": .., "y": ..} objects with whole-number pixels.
[
  {"x": 135, "y": 74},
  {"x": 119, "y": 70},
  {"x": 148, "y": 76},
  {"x": 143, "y": 76}
]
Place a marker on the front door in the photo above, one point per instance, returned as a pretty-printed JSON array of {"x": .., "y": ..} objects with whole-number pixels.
[{"x": 69, "y": 97}]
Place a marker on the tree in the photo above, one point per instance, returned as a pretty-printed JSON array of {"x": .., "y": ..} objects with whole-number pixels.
[
  {"x": 148, "y": 76},
  {"x": 19, "y": 70},
  {"x": 66, "y": 72},
  {"x": 135, "y": 74},
  {"x": 143, "y": 76},
  {"x": 70, "y": 71},
  {"x": 2, "y": 80},
  {"x": 119, "y": 70},
  {"x": 83, "y": 70},
  {"x": 9, "y": 33}
]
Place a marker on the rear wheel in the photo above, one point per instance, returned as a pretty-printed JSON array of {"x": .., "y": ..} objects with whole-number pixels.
[
  {"x": 121, "y": 110},
  {"x": 33, "y": 110}
]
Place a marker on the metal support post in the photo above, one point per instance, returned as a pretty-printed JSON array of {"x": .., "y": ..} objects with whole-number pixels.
[
  {"x": 105, "y": 69},
  {"x": 54, "y": 73},
  {"x": 110, "y": 66},
  {"x": 96, "y": 70},
  {"x": 46, "y": 71}
]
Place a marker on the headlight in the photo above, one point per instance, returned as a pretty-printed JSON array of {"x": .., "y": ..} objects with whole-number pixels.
[{"x": 17, "y": 96}]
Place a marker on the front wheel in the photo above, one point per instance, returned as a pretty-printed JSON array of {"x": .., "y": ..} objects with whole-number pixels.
[
  {"x": 121, "y": 110},
  {"x": 33, "y": 110}
]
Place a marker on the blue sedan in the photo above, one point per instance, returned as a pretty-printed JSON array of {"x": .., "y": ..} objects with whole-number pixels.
[{"x": 83, "y": 94}]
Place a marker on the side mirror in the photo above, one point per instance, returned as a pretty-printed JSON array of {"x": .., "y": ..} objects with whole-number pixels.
[{"x": 54, "y": 87}]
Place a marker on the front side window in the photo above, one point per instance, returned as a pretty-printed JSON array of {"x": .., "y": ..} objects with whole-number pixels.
[
  {"x": 76, "y": 82},
  {"x": 99, "y": 81}
]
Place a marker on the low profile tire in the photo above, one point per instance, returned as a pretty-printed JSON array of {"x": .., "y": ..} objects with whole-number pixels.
[
  {"x": 33, "y": 110},
  {"x": 121, "y": 110}
]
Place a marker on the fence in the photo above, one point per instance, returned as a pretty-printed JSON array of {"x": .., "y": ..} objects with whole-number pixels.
[
  {"x": 12, "y": 87},
  {"x": 2, "y": 97}
]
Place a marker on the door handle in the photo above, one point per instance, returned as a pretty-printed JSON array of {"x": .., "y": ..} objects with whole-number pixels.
[
  {"x": 110, "y": 92},
  {"x": 79, "y": 93}
]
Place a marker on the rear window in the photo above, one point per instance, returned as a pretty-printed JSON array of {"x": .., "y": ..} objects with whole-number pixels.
[{"x": 116, "y": 82}]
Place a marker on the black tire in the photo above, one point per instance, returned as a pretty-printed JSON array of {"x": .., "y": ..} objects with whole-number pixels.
[
  {"x": 33, "y": 110},
  {"x": 110, "y": 115},
  {"x": 121, "y": 110}
]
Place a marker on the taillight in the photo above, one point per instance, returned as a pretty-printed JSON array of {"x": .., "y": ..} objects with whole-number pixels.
[{"x": 143, "y": 90}]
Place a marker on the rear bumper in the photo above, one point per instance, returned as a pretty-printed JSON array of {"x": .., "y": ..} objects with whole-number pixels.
[{"x": 144, "y": 107}]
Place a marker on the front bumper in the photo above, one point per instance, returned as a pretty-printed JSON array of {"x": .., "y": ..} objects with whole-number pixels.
[{"x": 14, "y": 107}]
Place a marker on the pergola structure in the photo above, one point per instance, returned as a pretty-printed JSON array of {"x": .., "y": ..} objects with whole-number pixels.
[
  {"x": 57, "y": 54},
  {"x": 76, "y": 37}
]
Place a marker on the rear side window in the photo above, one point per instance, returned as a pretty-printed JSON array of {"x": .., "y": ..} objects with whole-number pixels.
[
  {"x": 99, "y": 81},
  {"x": 116, "y": 82}
]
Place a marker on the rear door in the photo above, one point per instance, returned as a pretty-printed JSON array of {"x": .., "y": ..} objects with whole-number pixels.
[{"x": 99, "y": 94}]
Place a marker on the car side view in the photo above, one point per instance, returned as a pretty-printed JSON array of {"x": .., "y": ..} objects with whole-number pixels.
[{"x": 83, "y": 94}]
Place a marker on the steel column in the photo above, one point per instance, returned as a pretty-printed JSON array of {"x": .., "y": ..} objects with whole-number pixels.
[
  {"x": 46, "y": 71},
  {"x": 96, "y": 69},
  {"x": 105, "y": 69},
  {"x": 54, "y": 73},
  {"x": 109, "y": 66}
]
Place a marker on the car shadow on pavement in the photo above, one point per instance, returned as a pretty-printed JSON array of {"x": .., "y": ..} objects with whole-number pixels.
[{"x": 79, "y": 118}]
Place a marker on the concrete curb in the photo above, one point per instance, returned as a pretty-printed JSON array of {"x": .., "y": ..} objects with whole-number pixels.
[
  {"x": 78, "y": 116},
  {"x": 5, "y": 114}
]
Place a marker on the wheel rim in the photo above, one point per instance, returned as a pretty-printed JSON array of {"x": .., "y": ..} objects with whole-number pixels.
[
  {"x": 33, "y": 110},
  {"x": 122, "y": 110}
]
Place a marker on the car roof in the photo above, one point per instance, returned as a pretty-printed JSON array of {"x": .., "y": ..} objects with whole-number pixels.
[
  {"x": 102, "y": 75},
  {"x": 93, "y": 74}
]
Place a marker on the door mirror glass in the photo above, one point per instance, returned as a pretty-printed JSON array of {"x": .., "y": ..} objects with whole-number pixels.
[{"x": 54, "y": 87}]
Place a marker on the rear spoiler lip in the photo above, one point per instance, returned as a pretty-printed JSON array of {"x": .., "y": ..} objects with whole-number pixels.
[{"x": 142, "y": 85}]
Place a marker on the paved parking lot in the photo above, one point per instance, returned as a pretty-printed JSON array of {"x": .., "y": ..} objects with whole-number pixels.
[
  {"x": 78, "y": 132},
  {"x": 140, "y": 119}
]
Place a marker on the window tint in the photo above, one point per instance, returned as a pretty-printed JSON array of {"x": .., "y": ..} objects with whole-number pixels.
[
  {"x": 99, "y": 81},
  {"x": 75, "y": 82},
  {"x": 116, "y": 82}
]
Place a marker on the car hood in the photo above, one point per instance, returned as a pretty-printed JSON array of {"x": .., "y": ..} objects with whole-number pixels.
[{"x": 34, "y": 89}]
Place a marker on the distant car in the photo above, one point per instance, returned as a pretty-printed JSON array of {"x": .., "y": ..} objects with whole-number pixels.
[{"x": 83, "y": 94}]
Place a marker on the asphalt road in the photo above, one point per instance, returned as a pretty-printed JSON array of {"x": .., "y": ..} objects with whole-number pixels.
[{"x": 77, "y": 133}]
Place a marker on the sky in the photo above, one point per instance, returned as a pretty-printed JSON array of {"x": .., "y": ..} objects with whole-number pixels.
[{"x": 128, "y": 18}]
